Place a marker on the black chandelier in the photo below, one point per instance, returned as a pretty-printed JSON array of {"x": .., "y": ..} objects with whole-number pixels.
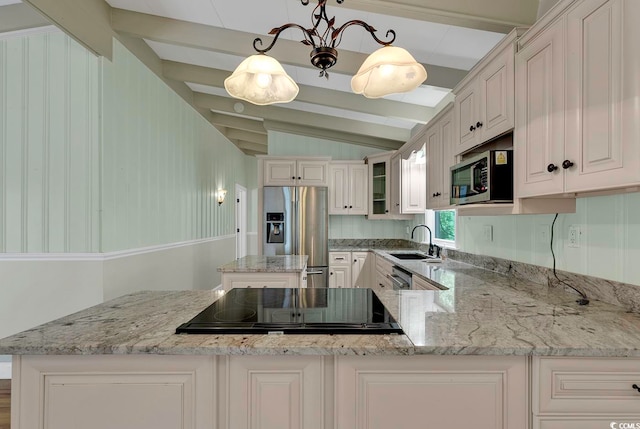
[
  {"x": 261, "y": 79},
  {"x": 324, "y": 54}
]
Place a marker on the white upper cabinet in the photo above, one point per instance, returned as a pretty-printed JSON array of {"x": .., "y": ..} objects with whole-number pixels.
[
  {"x": 384, "y": 186},
  {"x": 414, "y": 182},
  {"x": 348, "y": 188},
  {"x": 439, "y": 145},
  {"x": 587, "y": 141},
  {"x": 539, "y": 133},
  {"x": 295, "y": 172},
  {"x": 484, "y": 105},
  {"x": 602, "y": 95}
]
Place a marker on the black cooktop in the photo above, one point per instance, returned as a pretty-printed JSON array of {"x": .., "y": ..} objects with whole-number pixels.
[{"x": 294, "y": 311}]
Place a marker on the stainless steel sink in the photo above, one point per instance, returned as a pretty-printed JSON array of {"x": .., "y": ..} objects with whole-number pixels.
[{"x": 414, "y": 256}]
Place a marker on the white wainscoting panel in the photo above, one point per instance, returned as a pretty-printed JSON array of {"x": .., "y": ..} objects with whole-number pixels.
[{"x": 38, "y": 291}]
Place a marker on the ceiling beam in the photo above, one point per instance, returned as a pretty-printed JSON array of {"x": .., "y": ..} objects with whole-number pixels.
[
  {"x": 330, "y": 134},
  {"x": 252, "y": 147},
  {"x": 87, "y": 21},
  {"x": 19, "y": 16},
  {"x": 247, "y": 136},
  {"x": 308, "y": 94},
  {"x": 499, "y": 16},
  {"x": 239, "y": 43},
  {"x": 238, "y": 123},
  {"x": 225, "y": 104}
]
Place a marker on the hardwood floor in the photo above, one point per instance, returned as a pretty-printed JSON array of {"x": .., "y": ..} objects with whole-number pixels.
[{"x": 5, "y": 404}]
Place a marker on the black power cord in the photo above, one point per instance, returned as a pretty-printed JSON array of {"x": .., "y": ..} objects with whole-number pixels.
[{"x": 581, "y": 301}]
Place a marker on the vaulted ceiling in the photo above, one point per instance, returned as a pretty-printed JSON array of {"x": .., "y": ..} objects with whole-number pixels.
[{"x": 195, "y": 44}]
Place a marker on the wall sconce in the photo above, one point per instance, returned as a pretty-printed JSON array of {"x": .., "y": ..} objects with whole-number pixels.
[{"x": 221, "y": 194}]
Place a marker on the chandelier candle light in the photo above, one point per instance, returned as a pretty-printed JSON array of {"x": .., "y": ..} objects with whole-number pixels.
[{"x": 261, "y": 79}]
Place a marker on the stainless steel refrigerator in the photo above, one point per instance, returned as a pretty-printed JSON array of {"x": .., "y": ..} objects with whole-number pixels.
[{"x": 296, "y": 223}]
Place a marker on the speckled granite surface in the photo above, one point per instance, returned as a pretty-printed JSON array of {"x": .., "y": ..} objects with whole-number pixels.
[
  {"x": 482, "y": 313},
  {"x": 145, "y": 322},
  {"x": 266, "y": 264}
]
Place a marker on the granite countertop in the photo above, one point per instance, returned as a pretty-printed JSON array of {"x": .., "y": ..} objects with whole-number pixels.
[
  {"x": 266, "y": 264},
  {"x": 481, "y": 313}
]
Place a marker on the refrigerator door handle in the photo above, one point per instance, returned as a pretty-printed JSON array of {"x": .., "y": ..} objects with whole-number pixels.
[
  {"x": 296, "y": 232},
  {"x": 310, "y": 273}
]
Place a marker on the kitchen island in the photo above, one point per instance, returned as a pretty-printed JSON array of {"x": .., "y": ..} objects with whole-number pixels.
[
  {"x": 259, "y": 271},
  {"x": 503, "y": 351}
]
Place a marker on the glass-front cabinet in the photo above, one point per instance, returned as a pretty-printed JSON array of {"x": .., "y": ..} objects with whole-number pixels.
[
  {"x": 379, "y": 200},
  {"x": 384, "y": 187}
]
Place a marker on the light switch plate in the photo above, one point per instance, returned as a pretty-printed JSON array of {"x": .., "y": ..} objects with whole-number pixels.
[{"x": 487, "y": 231}]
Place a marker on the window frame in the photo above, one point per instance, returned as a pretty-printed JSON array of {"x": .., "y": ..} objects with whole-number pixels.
[{"x": 430, "y": 221}]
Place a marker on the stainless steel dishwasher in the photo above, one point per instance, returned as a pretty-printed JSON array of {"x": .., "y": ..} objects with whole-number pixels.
[{"x": 400, "y": 278}]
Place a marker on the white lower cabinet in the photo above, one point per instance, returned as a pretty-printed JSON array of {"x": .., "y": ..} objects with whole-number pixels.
[
  {"x": 360, "y": 269},
  {"x": 349, "y": 269},
  {"x": 263, "y": 280},
  {"x": 480, "y": 392},
  {"x": 273, "y": 392},
  {"x": 106, "y": 392},
  {"x": 383, "y": 273},
  {"x": 323, "y": 392},
  {"x": 585, "y": 392}
]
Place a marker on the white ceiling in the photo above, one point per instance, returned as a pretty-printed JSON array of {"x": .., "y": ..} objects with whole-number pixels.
[
  {"x": 429, "y": 43},
  {"x": 182, "y": 42}
]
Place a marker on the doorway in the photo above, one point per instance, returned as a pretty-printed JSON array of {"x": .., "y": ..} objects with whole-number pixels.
[{"x": 241, "y": 221}]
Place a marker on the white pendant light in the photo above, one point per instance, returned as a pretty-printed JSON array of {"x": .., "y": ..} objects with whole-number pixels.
[
  {"x": 261, "y": 80},
  {"x": 388, "y": 70}
]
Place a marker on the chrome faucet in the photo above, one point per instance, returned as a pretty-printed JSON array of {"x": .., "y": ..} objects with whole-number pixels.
[{"x": 432, "y": 247}]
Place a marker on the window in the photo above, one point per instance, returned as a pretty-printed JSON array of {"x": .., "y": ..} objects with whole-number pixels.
[{"x": 443, "y": 226}]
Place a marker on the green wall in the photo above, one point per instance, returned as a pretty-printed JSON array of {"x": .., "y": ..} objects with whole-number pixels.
[
  {"x": 101, "y": 156},
  {"x": 609, "y": 243},
  {"x": 162, "y": 163},
  {"x": 49, "y": 145}
]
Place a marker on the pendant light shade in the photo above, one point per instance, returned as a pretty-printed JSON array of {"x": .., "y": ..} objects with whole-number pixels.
[
  {"x": 388, "y": 70},
  {"x": 261, "y": 80}
]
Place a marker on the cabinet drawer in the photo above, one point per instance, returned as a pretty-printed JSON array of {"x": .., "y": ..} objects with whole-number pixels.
[
  {"x": 586, "y": 385},
  {"x": 421, "y": 284},
  {"x": 339, "y": 258},
  {"x": 586, "y": 422},
  {"x": 383, "y": 265}
]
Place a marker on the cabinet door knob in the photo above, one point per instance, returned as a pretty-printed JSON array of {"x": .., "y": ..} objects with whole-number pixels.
[
  {"x": 293, "y": 177},
  {"x": 472, "y": 128},
  {"x": 438, "y": 194},
  {"x": 635, "y": 386},
  {"x": 350, "y": 207},
  {"x": 299, "y": 178},
  {"x": 397, "y": 204},
  {"x": 479, "y": 124},
  {"x": 567, "y": 164},
  {"x": 345, "y": 207},
  {"x": 386, "y": 211},
  {"x": 355, "y": 260},
  {"x": 330, "y": 274},
  {"x": 551, "y": 168}
]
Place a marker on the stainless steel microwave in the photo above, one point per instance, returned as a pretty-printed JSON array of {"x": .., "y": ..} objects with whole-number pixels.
[{"x": 484, "y": 178}]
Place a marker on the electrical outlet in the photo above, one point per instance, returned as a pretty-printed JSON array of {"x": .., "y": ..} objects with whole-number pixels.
[
  {"x": 544, "y": 234},
  {"x": 574, "y": 236},
  {"x": 487, "y": 231}
]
